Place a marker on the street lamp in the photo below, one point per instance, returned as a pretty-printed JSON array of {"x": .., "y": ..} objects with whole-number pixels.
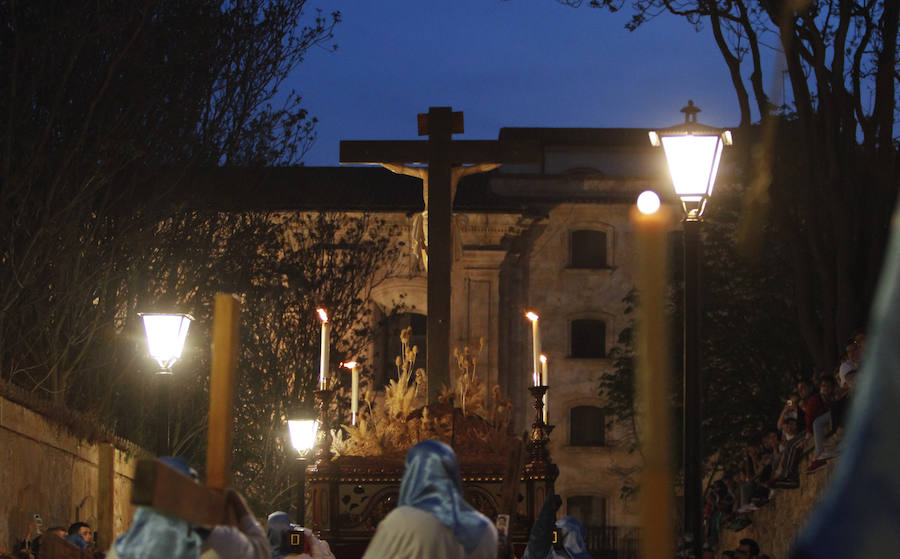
[
  {"x": 166, "y": 334},
  {"x": 303, "y": 436},
  {"x": 693, "y": 152}
]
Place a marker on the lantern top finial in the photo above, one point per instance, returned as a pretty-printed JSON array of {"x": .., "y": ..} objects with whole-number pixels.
[{"x": 690, "y": 111}]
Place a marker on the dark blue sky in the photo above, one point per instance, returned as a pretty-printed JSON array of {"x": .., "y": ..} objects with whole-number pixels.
[{"x": 505, "y": 63}]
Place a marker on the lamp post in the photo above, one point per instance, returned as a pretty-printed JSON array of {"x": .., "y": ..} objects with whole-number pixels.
[
  {"x": 693, "y": 152},
  {"x": 303, "y": 437},
  {"x": 166, "y": 334}
]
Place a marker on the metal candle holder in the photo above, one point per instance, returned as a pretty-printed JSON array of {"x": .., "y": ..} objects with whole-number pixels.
[
  {"x": 323, "y": 435},
  {"x": 538, "y": 455}
]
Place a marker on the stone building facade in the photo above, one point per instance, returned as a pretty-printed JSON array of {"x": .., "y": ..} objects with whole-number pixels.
[{"x": 552, "y": 236}]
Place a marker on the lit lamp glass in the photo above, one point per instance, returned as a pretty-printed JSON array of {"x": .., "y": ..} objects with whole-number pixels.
[
  {"x": 693, "y": 152},
  {"x": 303, "y": 434},
  {"x": 166, "y": 334}
]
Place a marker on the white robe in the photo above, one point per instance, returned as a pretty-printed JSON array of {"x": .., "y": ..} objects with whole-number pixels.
[{"x": 410, "y": 533}]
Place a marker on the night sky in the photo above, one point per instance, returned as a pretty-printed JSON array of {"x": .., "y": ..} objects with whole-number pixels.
[{"x": 505, "y": 63}]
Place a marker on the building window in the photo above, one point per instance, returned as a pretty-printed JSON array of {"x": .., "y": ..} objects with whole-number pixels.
[
  {"x": 588, "y": 339},
  {"x": 587, "y": 426},
  {"x": 587, "y": 249},
  {"x": 589, "y": 509},
  {"x": 389, "y": 340}
]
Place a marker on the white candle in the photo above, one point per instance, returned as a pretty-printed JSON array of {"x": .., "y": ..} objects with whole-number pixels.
[
  {"x": 354, "y": 391},
  {"x": 535, "y": 379},
  {"x": 545, "y": 380},
  {"x": 326, "y": 349},
  {"x": 535, "y": 341}
]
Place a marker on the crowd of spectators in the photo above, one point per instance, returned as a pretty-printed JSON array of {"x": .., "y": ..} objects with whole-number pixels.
[
  {"x": 811, "y": 414},
  {"x": 79, "y": 534}
]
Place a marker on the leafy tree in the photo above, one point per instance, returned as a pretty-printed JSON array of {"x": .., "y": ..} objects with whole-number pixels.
[
  {"x": 750, "y": 358},
  {"x": 284, "y": 266},
  {"x": 824, "y": 170}
]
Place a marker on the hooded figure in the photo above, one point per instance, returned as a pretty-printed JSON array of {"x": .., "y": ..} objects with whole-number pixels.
[
  {"x": 278, "y": 523},
  {"x": 153, "y": 534},
  {"x": 432, "y": 519},
  {"x": 569, "y": 540},
  {"x": 566, "y": 543}
]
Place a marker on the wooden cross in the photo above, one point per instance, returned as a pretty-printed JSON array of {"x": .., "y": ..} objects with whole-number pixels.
[
  {"x": 441, "y": 154},
  {"x": 55, "y": 547},
  {"x": 158, "y": 486}
]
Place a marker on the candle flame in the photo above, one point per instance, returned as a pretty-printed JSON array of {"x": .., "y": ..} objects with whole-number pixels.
[
  {"x": 349, "y": 364},
  {"x": 543, "y": 358},
  {"x": 532, "y": 316},
  {"x": 323, "y": 316}
]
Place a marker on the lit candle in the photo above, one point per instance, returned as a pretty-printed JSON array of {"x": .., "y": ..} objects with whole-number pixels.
[
  {"x": 535, "y": 341},
  {"x": 354, "y": 390},
  {"x": 545, "y": 380},
  {"x": 326, "y": 349},
  {"x": 651, "y": 226}
]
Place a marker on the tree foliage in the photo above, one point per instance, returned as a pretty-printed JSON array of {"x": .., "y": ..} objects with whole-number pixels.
[
  {"x": 823, "y": 171},
  {"x": 750, "y": 358},
  {"x": 111, "y": 111},
  {"x": 106, "y": 108}
]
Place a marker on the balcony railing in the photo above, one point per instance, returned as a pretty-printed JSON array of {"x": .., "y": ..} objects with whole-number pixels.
[{"x": 612, "y": 542}]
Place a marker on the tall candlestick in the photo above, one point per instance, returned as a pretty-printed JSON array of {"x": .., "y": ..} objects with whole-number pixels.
[
  {"x": 545, "y": 380},
  {"x": 535, "y": 341},
  {"x": 354, "y": 390},
  {"x": 326, "y": 349},
  {"x": 651, "y": 226}
]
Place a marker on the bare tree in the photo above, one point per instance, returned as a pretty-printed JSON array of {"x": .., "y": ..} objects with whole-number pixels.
[
  {"x": 824, "y": 166},
  {"x": 106, "y": 108}
]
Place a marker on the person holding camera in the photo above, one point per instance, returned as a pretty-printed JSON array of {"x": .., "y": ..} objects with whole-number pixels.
[
  {"x": 290, "y": 541},
  {"x": 791, "y": 409}
]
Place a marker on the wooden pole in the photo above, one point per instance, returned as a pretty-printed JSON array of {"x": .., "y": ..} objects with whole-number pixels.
[
  {"x": 440, "y": 251},
  {"x": 106, "y": 492},
  {"x": 226, "y": 319},
  {"x": 653, "y": 384}
]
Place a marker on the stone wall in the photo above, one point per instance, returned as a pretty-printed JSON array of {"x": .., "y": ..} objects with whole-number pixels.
[
  {"x": 776, "y": 524},
  {"x": 45, "y": 470}
]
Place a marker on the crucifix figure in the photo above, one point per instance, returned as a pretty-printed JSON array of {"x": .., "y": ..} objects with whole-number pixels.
[
  {"x": 420, "y": 224},
  {"x": 443, "y": 158}
]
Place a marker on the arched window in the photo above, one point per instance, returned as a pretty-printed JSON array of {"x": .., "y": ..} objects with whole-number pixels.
[
  {"x": 587, "y": 426},
  {"x": 390, "y": 345},
  {"x": 587, "y": 249},
  {"x": 588, "y": 339}
]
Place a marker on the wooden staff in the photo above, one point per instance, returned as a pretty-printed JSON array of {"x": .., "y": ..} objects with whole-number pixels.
[
  {"x": 158, "y": 486},
  {"x": 652, "y": 380}
]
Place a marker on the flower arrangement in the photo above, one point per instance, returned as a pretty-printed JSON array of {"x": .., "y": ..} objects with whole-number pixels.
[{"x": 460, "y": 417}]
